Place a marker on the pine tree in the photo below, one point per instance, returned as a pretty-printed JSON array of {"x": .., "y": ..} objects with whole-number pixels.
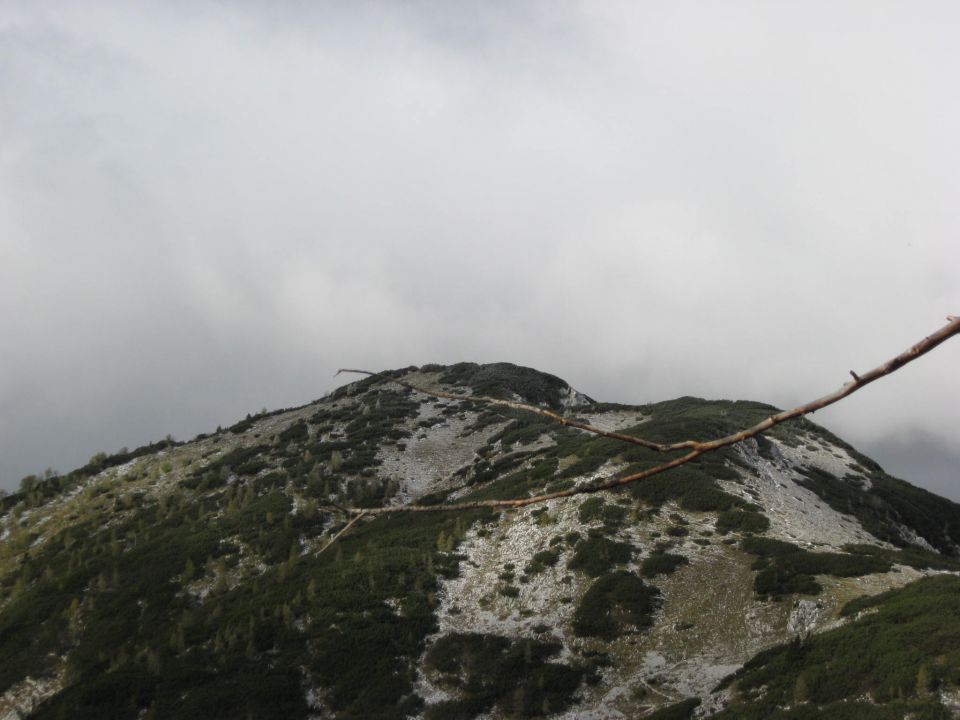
[
  {"x": 923, "y": 681},
  {"x": 801, "y": 693},
  {"x": 189, "y": 570}
]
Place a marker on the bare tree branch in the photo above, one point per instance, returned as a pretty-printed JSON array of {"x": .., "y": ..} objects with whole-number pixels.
[
  {"x": 696, "y": 447},
  {"x": 346, "y": 528}
]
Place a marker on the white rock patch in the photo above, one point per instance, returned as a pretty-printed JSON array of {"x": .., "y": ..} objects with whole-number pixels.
[
  {"x": 796, "y": 514},
  {"x": 428, "y": 460},
  {"x": 21, "y": 699}
]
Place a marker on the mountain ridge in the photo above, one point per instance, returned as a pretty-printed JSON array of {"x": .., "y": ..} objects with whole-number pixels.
[{"x": 770, "y": 540}]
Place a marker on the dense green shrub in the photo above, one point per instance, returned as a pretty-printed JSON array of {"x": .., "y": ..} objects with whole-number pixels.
[
  {"x": 909, "y": 646},
  {"x": 678, "y": 711},
  {"x": 542, "y": 560},
  {"x": 595, "y": 509},
  {"x": 890, "y": 504},
  {"x": 591, "y": 509},
  {"x": 745, "y": 521},
  {"x": 913, "y": 557},
  {"x": 503, "y": 380},
  {"x": 785, "y": 568},
  {"x": 616, "y": 603},
  {"x": 491, "y": 670},
  {"x": 596, "y": 555},
  {"x": 662, "y": 563},
  {"x": 241, "y": 461},
  {"x": 143, "y": 644},
  {"x": 523, "y": 430},
  {"x": 297, "y": 431},
  {"x": 691, "y": 418},
  {"x": 689, "y": 487}
]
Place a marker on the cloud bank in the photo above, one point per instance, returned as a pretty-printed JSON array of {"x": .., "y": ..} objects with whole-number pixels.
[{"x": 207, "y": 208}]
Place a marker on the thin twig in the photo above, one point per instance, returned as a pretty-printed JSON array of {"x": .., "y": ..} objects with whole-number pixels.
[
  {"x": 696, "y": 447},
  {"x": 346, "y": 528}
]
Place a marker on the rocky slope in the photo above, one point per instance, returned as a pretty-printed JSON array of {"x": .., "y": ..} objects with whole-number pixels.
[{"x": 187, "y": 579}]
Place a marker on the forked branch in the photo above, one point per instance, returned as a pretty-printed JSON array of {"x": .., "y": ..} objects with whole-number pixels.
[{"x": 696, "y": 447}]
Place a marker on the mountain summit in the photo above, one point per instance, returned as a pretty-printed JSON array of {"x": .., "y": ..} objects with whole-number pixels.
[{"x": 785, "y": 577}]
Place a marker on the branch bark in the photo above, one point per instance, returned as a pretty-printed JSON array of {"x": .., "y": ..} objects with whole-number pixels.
[
  {"x": 696, "y": 447},
  {"x": 346, "y": 528}
]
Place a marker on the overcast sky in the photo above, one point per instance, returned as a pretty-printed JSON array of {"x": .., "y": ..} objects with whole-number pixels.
[{"x": 206, "y": 208}]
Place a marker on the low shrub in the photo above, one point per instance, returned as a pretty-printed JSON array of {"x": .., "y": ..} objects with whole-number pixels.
[
  {"x": 596, "y": 555},
  {"x": 662, "y": 564},
  {"x": 617, "y": 602},
  {"x": 896, "y": 656},
  {"x": 745, "y": 521},
  {"x": 785, "y": 568},
  {"x": 490, "y": 670},
  {"x": 678, "y": 711},
  {"x": 542, "y": 560}
]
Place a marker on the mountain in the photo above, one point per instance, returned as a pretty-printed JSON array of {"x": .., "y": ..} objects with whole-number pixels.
[{"x": 785, "y": 577}]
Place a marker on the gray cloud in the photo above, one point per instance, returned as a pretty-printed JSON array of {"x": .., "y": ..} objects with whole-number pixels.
[
  {"x": 921, "y": 459},
  {"x": 205, "y": 209}
]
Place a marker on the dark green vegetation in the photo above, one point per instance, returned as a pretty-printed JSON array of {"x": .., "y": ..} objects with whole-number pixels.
[
  {"x": 617, "y": 603},
  {"x": 503, "y": 380},
  {"x": 185, "y": 581},
  {"x": 596, "y": 555},
  {"x": 891, "y": 503},
  {"x": 597, "y": 509},
  {"x": 693, "y": 486},
  {"x": 678, "y": 711},
  {"x": 785, "y": 568},
  {"x": 913, "y": 557},
  {"x": 845, "y": 710},
  {"x": 489, "y": 670},
  {"x": 121, "y": 598},
  {"x": 375, "y": 422},
  {"x": 745, "y": 521},
  {"x": 36, "y": 490},
  {"x": 898, "y": 654},
  {"x": 661, "y": 563},
  {"x": 542, "y": 560},
  {"x": 135, "y": 640}
]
